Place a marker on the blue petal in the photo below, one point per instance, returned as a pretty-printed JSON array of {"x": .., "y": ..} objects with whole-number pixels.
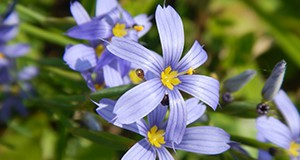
[
  {"x": 204, "y": 140},
  {"x": 126, "y": 17},
  {"x": 80, "y": 57},
  {"x": 202, "y": 87},
  {"x": 93, "y": 30},
  {"x": 170, "y": 29},
  {"x": 123, "y": 66},
  {"x": 289, "y": 111},
  {"x": 177, "y": 118},
  {"x": 195, "y": 57},
  {"x": 105, "y": 110},
  {"x": 194, "y": 110},
  {"x": 87, "y": 76},
  {"x": 262, "y": 155},
  {"x": 105, "y": 58},
  {"x": 105, "y": 6},
  {"x": 156, "y": 117},
  {"x": 12, "y": 20},
  {"x": 7, "y": 32},
  {"x": 139, "y": 101},
  {"x": 136, "y": 53},
  {"x": 112, "y": 77},
  {"x": 28, "y": 73},
  {"x": 274, "y": 131},
  {"x": 140, "y": 151},
  {"x": 79, "y": 13},
  {"x": 144, "y": 21},
  {"x": 16, "y": 50},
  {"x": 164, "y": 154}
]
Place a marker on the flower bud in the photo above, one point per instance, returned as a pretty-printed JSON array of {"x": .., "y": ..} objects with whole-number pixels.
[
  {"x": 235, "y": 83},
  {"x": 274, "y": 81}
]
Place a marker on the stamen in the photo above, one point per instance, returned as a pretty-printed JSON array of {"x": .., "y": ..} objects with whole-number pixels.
[
  {"x": 138, "y": 28},
  {"x": 169, "y": 78},
  {"x": 294, "y": 149},
  {"x": 156, "y": 137},
  {"x": 119, "y": 30},
  {"x": 99, "y": 50}
]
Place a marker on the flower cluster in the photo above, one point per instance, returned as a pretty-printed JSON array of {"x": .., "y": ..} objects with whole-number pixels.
[
  {"x": 14, "y": 84},
  {"x": 97, "y": 65},
  {"x": 114, "y": 50}
]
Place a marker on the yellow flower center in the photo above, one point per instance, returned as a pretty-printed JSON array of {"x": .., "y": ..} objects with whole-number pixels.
[
  {"x": 119, "y": 30},
  {"x": 156, "y": 137},
  {"x": 99, "y": 49},
  {"x": 2, "y": 55},
  {"x": 134, "y": 77},
  {"x": 169, "y": 77},
  {"x": 294, "y": 149},
  {"x": 138, "y": 28}
]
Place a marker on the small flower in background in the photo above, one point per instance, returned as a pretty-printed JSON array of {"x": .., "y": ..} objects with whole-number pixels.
[
  {"x": 168, "y": 75},
  {"x": 14, "y": 84},
  {"x": 202, "y": 140},
  {"x": 235, "y": 83},
  {"x": 287, "y": 135},
  {"x": 97, "y": 65}
]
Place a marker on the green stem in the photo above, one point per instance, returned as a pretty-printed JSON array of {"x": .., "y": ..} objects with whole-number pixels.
[
  {"x": 251, "y": 142},
  {"x": 47, "y": 35},
  {"x": 44, "y": 20}
]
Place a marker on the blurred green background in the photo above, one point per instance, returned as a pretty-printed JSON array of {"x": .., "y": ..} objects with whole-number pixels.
[{"x": 237, "y": 35}]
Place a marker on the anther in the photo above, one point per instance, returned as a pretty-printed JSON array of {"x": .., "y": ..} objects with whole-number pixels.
[{"x": 138, "y": 28}]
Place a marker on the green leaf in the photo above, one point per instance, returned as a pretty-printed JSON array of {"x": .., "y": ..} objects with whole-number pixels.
[
  {"x": 111, "y": 92},
  {"x": 104, "y": 138},
  {"x": 251, "y": 142}
]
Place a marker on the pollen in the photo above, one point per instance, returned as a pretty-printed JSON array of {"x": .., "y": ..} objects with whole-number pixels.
[
  {"x": 169, "y": 78},
  {"x": 156, "y": 137},
  {"x": 99, "y": 49},
  {"x": 2, "y": 55},
  {"x": 138, "y": 28},
  {"x": 190, "y": 71},
  {"x": 99, "y": 86},
  {"x": 134, "y": 78},
  {"x": 294, "y": 149},
  {"x": 119, "y": 30}
]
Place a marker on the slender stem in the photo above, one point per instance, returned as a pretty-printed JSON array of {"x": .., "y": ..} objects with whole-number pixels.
[
  {"x": 47, "y": 35},
  {"x": 251, "y": 142}
]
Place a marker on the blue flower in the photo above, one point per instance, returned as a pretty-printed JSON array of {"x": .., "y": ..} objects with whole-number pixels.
[
  {"x": 14, "y": 85},
  {"x": 203, "y": 140},
  {"x": 169, "y": 75},
  {"x": 274, "y": 131},
  {"x": 111, "y": 20}
]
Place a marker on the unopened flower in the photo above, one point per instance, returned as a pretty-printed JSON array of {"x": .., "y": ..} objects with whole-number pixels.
[
  {"x": 169, "y": 75},
  {"x": 273, "y": 83},
  {"x": 235, "y": 83},
  {"x": 203, "y": 140}
]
